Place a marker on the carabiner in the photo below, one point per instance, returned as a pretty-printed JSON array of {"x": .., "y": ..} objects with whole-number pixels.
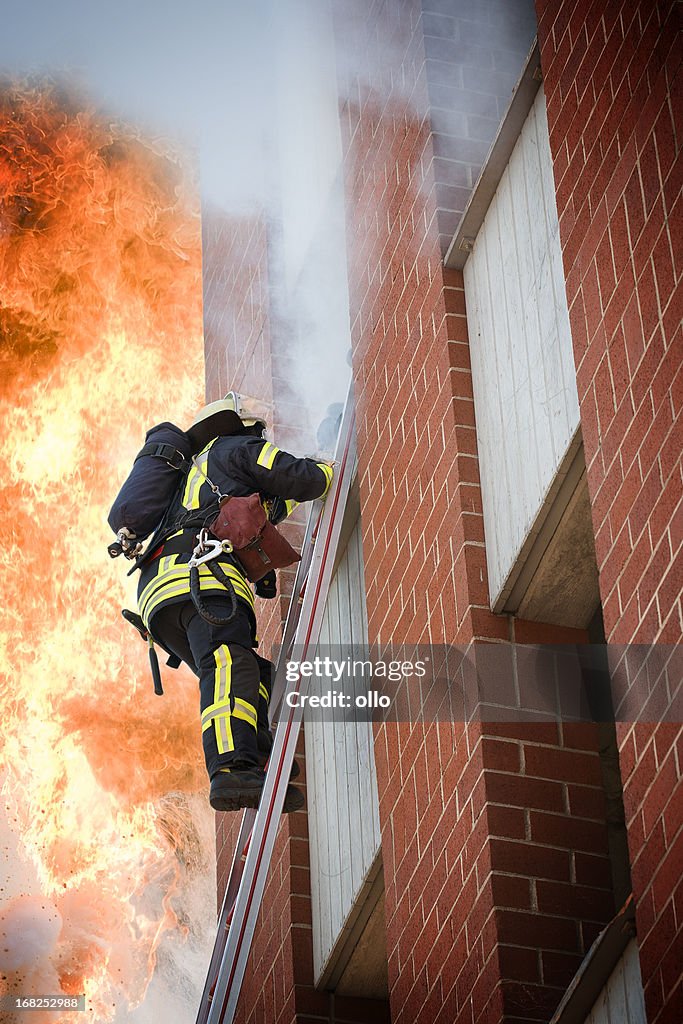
[
  {"x": 208, "y": 548},
  {"x": 205, "y": 552}
]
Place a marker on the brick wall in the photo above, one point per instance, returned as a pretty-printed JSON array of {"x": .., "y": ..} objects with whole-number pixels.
[
  {"x": 495, "y": 855},
  {"x": 493, "y": 838},
  {"x": 475, "y": 53},
  {"x": 612, "y": 84}
]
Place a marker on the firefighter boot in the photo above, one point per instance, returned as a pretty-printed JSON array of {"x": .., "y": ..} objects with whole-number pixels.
[{"x": 235, "y": 788}]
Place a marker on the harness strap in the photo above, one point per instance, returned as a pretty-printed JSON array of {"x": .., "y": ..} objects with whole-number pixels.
[
  {"x": 196, "y": 595},
  {"x": 168, "y": 452}
]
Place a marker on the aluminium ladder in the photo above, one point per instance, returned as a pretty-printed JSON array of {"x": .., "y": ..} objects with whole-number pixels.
[{"x": 256, "y": 840}]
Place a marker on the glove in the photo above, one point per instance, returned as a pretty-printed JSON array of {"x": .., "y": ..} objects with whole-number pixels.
[{"x": 267, "y": 585}]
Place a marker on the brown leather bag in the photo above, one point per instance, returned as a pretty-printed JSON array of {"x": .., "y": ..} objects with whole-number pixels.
[{"x": 256, "y": 543}]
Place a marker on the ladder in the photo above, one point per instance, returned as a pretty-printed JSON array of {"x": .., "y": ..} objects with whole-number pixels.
[{"x": 254, "y": 848}]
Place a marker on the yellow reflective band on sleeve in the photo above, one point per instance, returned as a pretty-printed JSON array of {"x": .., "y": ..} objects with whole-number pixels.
[
  {"x": 267, "y": 456},
  {"x": 329, "y": 473},
  {"x": 245, "y": 711},
  {"x": 263, "y": 692},
  {"x": 291, "y": 505}
]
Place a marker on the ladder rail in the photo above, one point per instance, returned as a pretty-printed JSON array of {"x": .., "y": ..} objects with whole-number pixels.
[
  {"x": 227, "y": 907},
  {"x": 254, "y": 874}
]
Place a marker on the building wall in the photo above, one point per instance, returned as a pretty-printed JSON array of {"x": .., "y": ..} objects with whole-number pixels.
[
  {"x": 475, "y": 53},
  {"x": 612, "y": 82},
  {"x": 493, "y": 838}
]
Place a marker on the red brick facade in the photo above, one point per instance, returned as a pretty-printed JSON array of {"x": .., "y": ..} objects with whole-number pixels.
[
  {"x": 496, "y": 868},
  {"x": 612, "y": 82}
]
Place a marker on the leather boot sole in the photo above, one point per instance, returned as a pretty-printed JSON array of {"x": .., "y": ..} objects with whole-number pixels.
[{"x": 239, "y": 794}]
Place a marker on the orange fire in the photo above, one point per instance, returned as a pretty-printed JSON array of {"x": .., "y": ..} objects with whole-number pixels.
[{"x": 100, "y": 321}]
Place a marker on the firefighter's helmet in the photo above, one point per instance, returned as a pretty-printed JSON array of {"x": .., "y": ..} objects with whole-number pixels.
[{"x": 229, "y": 415}]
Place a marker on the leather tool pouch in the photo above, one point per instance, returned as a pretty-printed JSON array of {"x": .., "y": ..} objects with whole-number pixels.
[{"x": 256, "y": 543}]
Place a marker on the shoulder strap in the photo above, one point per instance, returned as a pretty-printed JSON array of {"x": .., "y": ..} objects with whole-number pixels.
[
  {"x": 168, "y": 452},
  {"x": 222, "y": 498}
]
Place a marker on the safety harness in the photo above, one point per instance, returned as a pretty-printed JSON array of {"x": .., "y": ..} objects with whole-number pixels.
[
  {"x": 206, "y": 552},
  {"x": 240, "y": 529}
]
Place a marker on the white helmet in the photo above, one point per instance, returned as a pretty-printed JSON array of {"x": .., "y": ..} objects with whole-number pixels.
[{"x": 232, "y": 413}]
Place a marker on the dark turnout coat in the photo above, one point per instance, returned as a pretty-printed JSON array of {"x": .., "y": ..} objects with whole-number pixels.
[{"x": 237, "y": 465}]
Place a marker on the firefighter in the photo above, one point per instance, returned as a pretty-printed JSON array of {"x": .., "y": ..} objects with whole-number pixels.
[{"x": 234, "y": 681}]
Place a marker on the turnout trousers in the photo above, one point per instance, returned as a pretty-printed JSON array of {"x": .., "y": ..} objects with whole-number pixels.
[{"x": 234, "y": 681}]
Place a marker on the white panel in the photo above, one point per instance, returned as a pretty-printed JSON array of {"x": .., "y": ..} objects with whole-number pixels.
[
  {"x": 600, "y": 1012},
  {"x": 621, "y": 1000},
  {"x": 343, "y": 807},
  {"x": 633, "y": 984},
  {"x": 526, "y": 403},
  {"x": 342, "y": 743}
]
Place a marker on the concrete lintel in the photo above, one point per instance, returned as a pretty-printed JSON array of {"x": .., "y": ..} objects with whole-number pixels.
[{"x": 521, "y": 102}]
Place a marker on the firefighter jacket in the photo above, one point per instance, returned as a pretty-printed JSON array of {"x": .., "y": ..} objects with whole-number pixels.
[{"x": 237, "y": 465}]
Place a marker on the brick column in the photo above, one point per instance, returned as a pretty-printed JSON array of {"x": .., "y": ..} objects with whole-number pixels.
[{"x": 612, "y": 85}]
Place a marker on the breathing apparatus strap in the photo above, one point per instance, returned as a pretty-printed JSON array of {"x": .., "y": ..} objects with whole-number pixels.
[{"x": 168, "y": 452}]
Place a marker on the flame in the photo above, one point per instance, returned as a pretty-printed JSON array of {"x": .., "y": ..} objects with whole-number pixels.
[{"x": 100, "y": 323}]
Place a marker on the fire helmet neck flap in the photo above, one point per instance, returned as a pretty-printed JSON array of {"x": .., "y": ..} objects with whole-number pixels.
[{"x": 228, "y": 415}]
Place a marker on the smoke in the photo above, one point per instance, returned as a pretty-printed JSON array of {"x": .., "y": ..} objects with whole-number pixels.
[
  {"x": 261, "y": 89},
  {"x": 29, "y": 929}
]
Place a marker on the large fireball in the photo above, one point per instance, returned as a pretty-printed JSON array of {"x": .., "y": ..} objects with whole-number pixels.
[{"x": 100, "y": 333}]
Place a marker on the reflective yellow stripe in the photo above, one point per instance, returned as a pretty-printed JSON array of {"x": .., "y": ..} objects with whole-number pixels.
[
  {"x": 264, "y": 692},
  {"x": 221, "y": 684},
  {"x": 193, "y": 487},
  {"x": 221, "y": 697},
  {"x": 245, "y": 711},
  {"x": 215, "y": 718},
  {"x": 169, "y": 572},
  {"x": 166, "y": 564},
  {"x": 329, "y": 473},
  {"x": 175, "y": 582},
  {"x": 196, "y": 477},
  {"x": 213, "y": 709},
  {"x": 291, "y": 505},
  {"x": 242, "y": 710},
  {"x": 267, "y": 456}
]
